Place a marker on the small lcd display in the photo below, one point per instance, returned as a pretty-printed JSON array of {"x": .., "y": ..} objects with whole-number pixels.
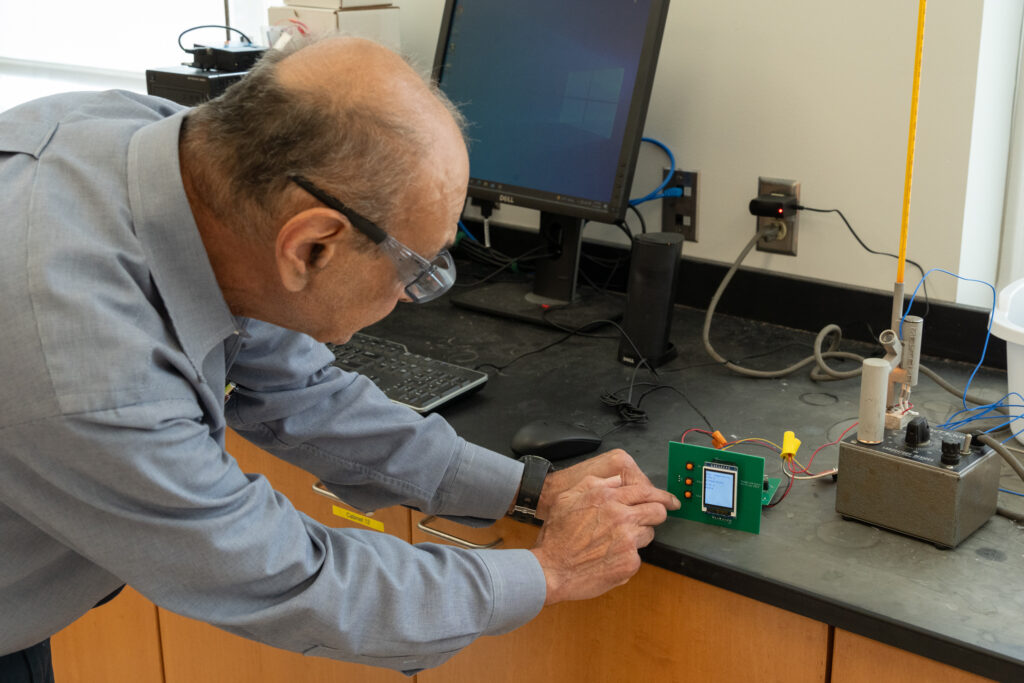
[{"x": 719, "y": 490}]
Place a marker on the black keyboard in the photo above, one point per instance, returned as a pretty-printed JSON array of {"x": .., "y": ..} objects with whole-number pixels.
[{"x": 420, "y": 382}]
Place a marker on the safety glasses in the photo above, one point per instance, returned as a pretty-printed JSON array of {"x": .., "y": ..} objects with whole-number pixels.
[{"x": 423, "y": 280}]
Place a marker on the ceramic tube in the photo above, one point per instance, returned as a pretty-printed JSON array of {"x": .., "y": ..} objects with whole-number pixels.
[{"x": 874, "y": 383}]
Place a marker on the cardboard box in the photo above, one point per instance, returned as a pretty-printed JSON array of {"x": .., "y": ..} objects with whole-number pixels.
[
  {"x": 337, "y": 4},
  {"x": 377, "y": 23}
]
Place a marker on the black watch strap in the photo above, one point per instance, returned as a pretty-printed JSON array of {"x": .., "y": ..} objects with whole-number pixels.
[{"x": 535, "y": 471}]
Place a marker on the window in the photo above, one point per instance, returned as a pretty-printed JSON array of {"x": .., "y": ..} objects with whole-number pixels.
[{"x": 67, "y": 45}]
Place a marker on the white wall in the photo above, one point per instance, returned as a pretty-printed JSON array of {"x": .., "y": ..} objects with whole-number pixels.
[
  {"x": 820, "y": 92},
  {"x": 814, "y": 90}
]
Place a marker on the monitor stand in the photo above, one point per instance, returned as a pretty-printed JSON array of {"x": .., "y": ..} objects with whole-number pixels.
[{"x": 552, "y": 299}]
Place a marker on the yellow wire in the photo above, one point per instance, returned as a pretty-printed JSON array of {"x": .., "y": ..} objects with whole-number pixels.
[
  {"x": 909, "y": 176},
  {"x": 754, "y": 438}
]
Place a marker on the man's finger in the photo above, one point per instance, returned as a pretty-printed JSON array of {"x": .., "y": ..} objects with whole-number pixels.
[
  {"x": 632, "y": 474},
  {"x": 644, "y": 536},
  {"x": 637, "y": 494},
  {"x": 648, "y": 514}
]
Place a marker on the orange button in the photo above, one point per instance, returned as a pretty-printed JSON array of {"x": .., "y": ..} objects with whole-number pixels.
[
  {"x": 688, "y": 481},
  {"x": 689, "y": 465},
  {"x": 687, "y": 494}
]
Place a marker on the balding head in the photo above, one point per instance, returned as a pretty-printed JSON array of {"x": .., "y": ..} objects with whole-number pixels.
[
  {"x": 343, "y": 111},
  {"x": 360, "y": 70}
]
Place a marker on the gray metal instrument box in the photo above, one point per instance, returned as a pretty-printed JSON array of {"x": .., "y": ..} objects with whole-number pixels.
[{"x": 911, "y": 491}]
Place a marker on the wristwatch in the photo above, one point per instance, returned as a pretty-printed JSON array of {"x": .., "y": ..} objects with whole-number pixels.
[{"x": 535, "y": 470}]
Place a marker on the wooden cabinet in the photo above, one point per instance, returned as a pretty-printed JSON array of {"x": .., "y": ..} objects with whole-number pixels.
[
  {"x": 130, "y": 639},
  {"x": 661, "y": 626},
  {"x": 856, "y": 659},
  {"x": 119, "y": 641},
  {"x": 195, "y": 652}
]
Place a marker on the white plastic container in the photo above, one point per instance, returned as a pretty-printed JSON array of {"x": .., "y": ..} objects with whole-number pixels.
[{"x": 1008, "y": 324}]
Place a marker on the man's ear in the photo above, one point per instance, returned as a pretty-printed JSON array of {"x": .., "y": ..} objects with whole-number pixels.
[{"x": 306, "y": 243}]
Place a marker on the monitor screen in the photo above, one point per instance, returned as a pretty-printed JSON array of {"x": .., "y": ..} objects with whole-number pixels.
[{"x": 555, "y": 95}]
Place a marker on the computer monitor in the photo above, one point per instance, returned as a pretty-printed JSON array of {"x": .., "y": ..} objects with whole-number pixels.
[{"x": 555, "y": 95}]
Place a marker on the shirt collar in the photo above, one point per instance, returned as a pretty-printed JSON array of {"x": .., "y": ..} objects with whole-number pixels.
[{"x": 169, "y": 236}]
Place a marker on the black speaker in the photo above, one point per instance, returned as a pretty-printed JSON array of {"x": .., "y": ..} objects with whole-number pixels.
[{"x": 653, "y": 274}]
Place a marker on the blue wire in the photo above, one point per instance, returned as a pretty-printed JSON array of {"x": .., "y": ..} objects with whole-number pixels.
[
  {"x": 1013, "y": 492},
  {"x": 656, "y": 192},
  {"x": 988, "y": 331},
  {"x": 1001, "y": 403},
  {"x": 670, "y": 192},
  {"x": 468, "y": 234},
  {"x": 1015, "y": 434}
]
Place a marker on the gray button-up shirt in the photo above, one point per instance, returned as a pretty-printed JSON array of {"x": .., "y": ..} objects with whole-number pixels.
[{"x": 115, "y": 348}]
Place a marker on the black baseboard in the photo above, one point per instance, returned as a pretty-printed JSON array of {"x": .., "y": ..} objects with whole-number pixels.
[{"x": 951, "y": 331}]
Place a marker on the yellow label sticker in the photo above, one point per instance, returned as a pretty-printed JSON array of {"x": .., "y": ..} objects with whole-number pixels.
[{"x": 358, "y": 518}]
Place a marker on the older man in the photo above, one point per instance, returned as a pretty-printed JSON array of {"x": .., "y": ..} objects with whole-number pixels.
[{"x": 154, "y": 255}]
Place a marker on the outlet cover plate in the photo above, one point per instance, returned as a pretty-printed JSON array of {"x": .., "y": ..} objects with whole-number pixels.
[
  {"x": 784, "y": 188},
  {"x": 679, "y": 214}
]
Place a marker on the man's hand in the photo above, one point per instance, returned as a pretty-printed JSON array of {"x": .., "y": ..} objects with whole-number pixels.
[
  {"x": 605, "y": 465},
  {"x": 597, "y": 515}
]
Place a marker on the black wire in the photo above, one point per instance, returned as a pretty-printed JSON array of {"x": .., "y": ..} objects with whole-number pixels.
[
  {"x": 628, "y": 412},
  {"x": 518, "y": 358},
  {"x": 603, "y": 289},
  {"x": 924, "y": 286},
  {"x": 685, "y": 398},
  {"x": 785, "y": 493},
  {"x": 643, "y": 223},
  {"x": 246, "y": 38},
  {"x": 522, "y": 258}
]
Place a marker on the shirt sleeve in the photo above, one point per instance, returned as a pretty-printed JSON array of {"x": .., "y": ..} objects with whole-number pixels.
[
  {"x": 145, "y": 493},
  {"x": 369, "y": 451}
]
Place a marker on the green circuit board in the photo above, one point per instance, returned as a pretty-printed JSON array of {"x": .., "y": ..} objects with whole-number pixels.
[{"x": 726, "y": 472}]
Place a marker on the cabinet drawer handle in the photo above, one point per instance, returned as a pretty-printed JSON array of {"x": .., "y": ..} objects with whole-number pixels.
[
  {"x": 326, "y": 493},
  {"x": 319, "y": 488},
  {"x": 422, "y": 526}
]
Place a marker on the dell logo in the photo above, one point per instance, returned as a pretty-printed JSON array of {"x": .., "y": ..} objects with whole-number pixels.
[{"x": 505, "y": 199}]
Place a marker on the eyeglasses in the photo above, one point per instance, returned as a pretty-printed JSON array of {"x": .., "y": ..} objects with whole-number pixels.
[{"x": 423, "y": 280}]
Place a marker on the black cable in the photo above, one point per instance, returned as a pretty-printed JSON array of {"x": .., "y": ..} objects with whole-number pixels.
[
  {"x": 629, "y": 413},
  {"x": 511, "y": 262},
  {"x": 624, "y": 227},
  {"x": 924, "y": 286},
  {"x": 685, "y": 398},
  {"x": 643, "y": 223},
  {"x": 579, "y": 331},
  {"x": 181, "y": 35},
  {"x": 602, "y": 289},
  {"x": 785, "y": 493},
  {"x": 518, "y": 358}
]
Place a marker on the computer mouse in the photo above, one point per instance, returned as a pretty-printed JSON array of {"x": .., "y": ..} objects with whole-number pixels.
[{"x": 554, "y": 439}]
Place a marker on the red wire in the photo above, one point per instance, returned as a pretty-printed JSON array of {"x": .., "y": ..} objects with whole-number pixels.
[
  {"x": 830, "y": 443},
  {"x": 791, "y": 466},
  {"x": 784, "y": 493},
  {"x": 682, "y": 439}
]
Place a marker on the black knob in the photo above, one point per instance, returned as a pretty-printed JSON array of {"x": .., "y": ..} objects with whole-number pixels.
[
  {"x": 950, "y": 452},
  {"x": 918, "y": 432}
]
